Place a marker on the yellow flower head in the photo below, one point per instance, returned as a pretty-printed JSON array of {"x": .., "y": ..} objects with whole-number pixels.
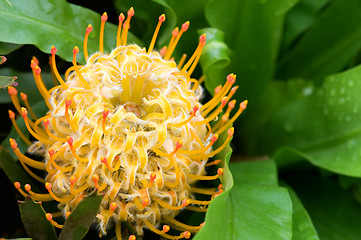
[{"x": 129, "y": 125}]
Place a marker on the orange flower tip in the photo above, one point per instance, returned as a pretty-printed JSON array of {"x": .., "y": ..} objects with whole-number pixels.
[
  {"x": 33, "y": 64},
  {"x": 67, "y": 102},
  {"x": 2, "y": 59},
  {"x": 162, "y": 18},
  {"x": 243, "y": 104},
  {"x": 95, "y": 178},
  {"x": 186, "y": 202},
  {"x": 27, "y": 187},
  {"x": 217, "y": 89},
  {"x": 185, "y": 26},
  {"x": 12, "y": 90},
  {"x": 230, "y": 131},
  {"x": 70, "y": 140},
  {"x": 113, "y": 206},
  {"x": 202, "y": 224},
  {"x": 104, "y": 17},
  {"x": 232, "y": 104},
  {"x": 178, "y": 144},
  {"x": 231, "y": 78},
  {"x": 163, "y": 51},
  {"x": 153, "y": 176},
  {"x": 53, "y": 50},
  {"x": 132, "y": 237},
  {"x": 104, "y": 160},
  {"x": 220, "y": 191},
  {"x": 17, "y": 185},
  {"x": 13, "y": 143},
  {"x": 37, "y": 70},
  {"x": 186, "y": 234},
  {"x": 175, "y": 32},
  {"x": 121, "y": 17},
  {"x": 51, "y": 152},
  {"x": 24, "y": 112},
  {"x": 105, "y": 113},
  {"x": 224, "y": 101},
  {"x": 23, "y": 96},
  {"x": 195, "y": 108},
  {"x": 67, "y": 214},
  {"x": 202, "y": 38},
  {"x": 220, "y": 186},
  {"x": 131, "y": 12},
  {"x": 166, "y": 228},
  {"x": 48, "y": 186},
  {"x": 89, "y": 28},
  {"x": 214, "y": 138},
  {"x": 145, "y": 202},
  {"x": 220, "y": 171},
  {"x": 49, "y": 217},
  {"x": 72, "y": 180},
  {"x": 11, "y": 114},
  {"x": 234, "y": 89},
  {"x": 75, "y": 50},
  {"x": 46, "y": 122}
]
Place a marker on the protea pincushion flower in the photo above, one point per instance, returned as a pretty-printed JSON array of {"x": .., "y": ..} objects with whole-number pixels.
[{"x": 128, "y": 124}]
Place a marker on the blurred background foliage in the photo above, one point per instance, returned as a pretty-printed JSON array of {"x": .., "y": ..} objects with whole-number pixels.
[{"x": 295, "y": 171}]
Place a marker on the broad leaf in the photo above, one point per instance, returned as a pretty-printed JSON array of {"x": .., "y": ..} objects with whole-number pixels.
[
  {"x": 301, "y": 222},
  {"x": 323, "y": 126},
  {"x": 81, "y": 218},
  {"x": 251, "y": 202},
  {"x": 6, "y": 48},
  {"x": 53, "y": 22},
  {"x": 35, "y": 222},
  {"x": 252, "y": 30},
  {"x": 335, "y": 212},
  {"x": 333, "y": 40}
]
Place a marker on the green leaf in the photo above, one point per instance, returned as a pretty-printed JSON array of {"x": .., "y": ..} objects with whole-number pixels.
[
  {"x": 253, "y": 31},
  {"x": 333, "y": 40},
  {"x": 81, "y": 218},
  {"x": 334, "y": 211},
  {"x": 6, "y": 48},
  {"x": 300, "y": 18},
  {"x": 35, "y": 222},
  {"x": 54, "y": 22},
  {"x": 302, "y": 224},
  {"x": 248, "y": 205},
  {"x": 323, "y": 126},
  {"x": 215, "y": 55}
]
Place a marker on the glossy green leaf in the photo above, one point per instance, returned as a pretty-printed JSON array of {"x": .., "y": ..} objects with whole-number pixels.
[
  {"x": 35, "y": 222},
  {"x": 6, "y": 48},
  {"x": 333, "y": 40},
  {"x": 324, "y": 126},
  {"x": 335, "y": 212},
  {"x": 301, "y": 222},
  {"x": 53, "y": 22},
  {"x": 300, "y": 18},
  {"x": 252, "y": 202},
  {"x": 81, "y": 218},
  {"x": 215, "y": 55},
  {"x": 252, "y": 30}
]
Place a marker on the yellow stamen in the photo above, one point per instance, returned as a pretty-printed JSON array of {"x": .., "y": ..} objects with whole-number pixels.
[
  {"x": 61, "y": 81},
  {"x": 181, "y": 61},
  {"x": 78, "y": 73},
  {"x": 88, "y": 30},
  {"x": 103, "y": 18},
  {"x": 242, "y": 107},
  {"x": 24, "y": 97},
  {"x": 49, "y": 217},
  {"x": 176, "y": 40},
  {"x": 38, "y": 196},
  {"x": 161, "y": 20},
  {"x": 65, "y": 199},
  {"x": 181, "y": 225},
  {"x": 17, "y": 129},
  {"x": 121, "y": 19},
  {"x": 25, "y": 159}
]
